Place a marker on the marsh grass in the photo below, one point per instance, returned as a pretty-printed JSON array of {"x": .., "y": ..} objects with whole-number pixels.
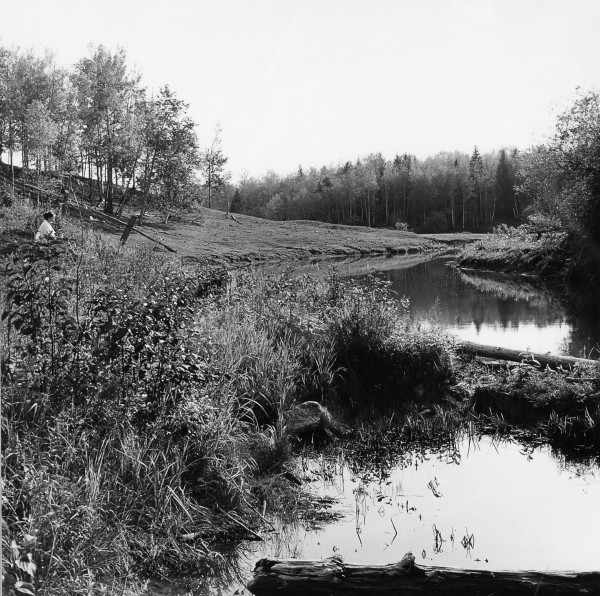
[
  {"x": 561, "y": 408},
  {"x": 144, "y": 401}
]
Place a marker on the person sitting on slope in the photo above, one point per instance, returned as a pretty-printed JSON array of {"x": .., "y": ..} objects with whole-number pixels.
[{"x": 46, "y": 231}]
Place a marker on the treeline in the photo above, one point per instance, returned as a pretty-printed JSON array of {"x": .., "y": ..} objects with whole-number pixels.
[
  {"x": 561, "y": 180},
  {"x": 97, "y": 121},
  {"x": 447, "y": 191}
]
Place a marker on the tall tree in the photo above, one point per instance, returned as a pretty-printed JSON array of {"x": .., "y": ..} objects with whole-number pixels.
[
  {"x": 42, "y": 133},
  {"x": 105, "y": 92},
  {"x": 576, "y": 145},
  {"x": 169, "y": 152},
  {"x": 505, "y": 207},
  {"x": 476, "y": 181},
  {"x": 212, "y": 166}
]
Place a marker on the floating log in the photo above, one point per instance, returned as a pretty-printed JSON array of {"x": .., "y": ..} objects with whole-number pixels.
[
  {"x": 332, "y": 576},
  {"x": 542, "y": 360}
]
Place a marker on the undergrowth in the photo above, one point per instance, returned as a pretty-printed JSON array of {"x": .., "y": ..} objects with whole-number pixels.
[
  {"x": 559, "y": 407},
  {"x": 144, "y": 402},
  {"x": 537, "y": 247}
]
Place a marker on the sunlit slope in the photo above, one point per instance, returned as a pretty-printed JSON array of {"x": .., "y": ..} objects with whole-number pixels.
[{"x": 209, "y": 233}]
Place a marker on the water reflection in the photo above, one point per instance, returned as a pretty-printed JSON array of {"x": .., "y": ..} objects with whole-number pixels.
[
  {"x": 493, "y": 309},
  {"x": 501, "y": 507}
]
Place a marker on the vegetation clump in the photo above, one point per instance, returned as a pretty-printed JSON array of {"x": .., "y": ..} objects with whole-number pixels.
[
  {"x": 538, "y": 247},
  {"x": 144, "y": 401},
  {"x": 561, "y": 184},
  {"x": 560, "y": 408}
]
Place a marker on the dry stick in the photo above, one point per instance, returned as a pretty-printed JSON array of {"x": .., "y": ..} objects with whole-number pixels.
[
  {"x": 260, "y": 515},
  {"x": 245, "y": 527}
]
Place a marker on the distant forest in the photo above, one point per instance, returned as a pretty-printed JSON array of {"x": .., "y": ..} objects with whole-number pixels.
[
  {"x": 97, "y": 121},
  {"x": 448, "y": 191}
]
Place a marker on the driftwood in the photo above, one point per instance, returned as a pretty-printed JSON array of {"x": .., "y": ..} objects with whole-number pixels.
[
  {"x": 332, "y": 576},
  {"x": 529, "y": 357}
]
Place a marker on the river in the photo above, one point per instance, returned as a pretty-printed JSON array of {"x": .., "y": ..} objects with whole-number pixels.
[
  {"x": 479, "y": 503},
  {"x": 488, "y": 308}
]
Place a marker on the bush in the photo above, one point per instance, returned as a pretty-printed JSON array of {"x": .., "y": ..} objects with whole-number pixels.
[{"x": 383, "y": 357}]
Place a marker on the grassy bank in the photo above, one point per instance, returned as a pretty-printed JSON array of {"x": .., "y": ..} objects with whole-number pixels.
[
  {"x": 144, "y": 400},
  {"x": 526, "y": 249}
]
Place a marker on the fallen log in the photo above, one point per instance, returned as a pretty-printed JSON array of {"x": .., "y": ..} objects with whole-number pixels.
[
  {"x": 101, "y": 215},
  {"x": 332, "y": 576},
  {"x": 537, "y": 359}
]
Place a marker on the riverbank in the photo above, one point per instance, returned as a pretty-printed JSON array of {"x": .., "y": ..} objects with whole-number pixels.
[
  {"x": 228, "y": 238},
  {"x": 518, "y": 250},
  {"x": 145, "y": 400}
]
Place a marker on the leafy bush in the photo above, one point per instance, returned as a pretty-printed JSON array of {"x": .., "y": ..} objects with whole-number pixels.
[{"x": 383, "y": 357}]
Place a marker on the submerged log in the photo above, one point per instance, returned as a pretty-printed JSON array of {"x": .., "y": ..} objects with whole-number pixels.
[
  {"x": 332, "y": 576},
  {"x": 536, "y": 359}
]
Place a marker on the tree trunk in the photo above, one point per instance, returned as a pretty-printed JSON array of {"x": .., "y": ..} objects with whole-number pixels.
[
  {"x": 332, "y": 576},
  {"x": 520, "y": 356}
]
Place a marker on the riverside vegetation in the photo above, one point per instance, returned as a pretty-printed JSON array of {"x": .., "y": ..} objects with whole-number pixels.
[
  {"x": 560, "y": 240},
  {"x": 144, "y": 402},
  {"x": 144, "y": 399}
]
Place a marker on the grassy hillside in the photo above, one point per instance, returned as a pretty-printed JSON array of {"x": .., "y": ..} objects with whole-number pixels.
[
  {"x": 209, "y": 233},
  {"x": 204, "y": 233}
]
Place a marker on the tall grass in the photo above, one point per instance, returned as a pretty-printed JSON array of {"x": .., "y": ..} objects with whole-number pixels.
[
  {"x": 561, "y": 408},
  {"x": 144, "y": 402}
]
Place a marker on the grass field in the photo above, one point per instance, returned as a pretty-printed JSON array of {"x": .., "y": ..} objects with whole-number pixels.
[{"x": 206, "y": 233}]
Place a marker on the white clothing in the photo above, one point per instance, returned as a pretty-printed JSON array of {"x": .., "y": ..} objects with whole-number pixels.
[{"x": 45, "y": 231}]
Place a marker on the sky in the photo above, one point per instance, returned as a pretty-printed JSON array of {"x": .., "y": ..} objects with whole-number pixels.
[{"x": 320, "y": 82}]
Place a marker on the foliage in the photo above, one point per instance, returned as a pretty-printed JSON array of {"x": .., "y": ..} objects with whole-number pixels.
[
  {"x": 169, "y": 153},
  {"x": 538, "y": 246},
  {"x": 563, "y": 411},
  {"x": 96, "y": 120},
  {"x": 384, "y": 358},
  {"x": 376, "y": 192},
  {"x": 106, "y": 95},
  {"x": 105, "y": 462},
  {"x": 212, "y": 167}
]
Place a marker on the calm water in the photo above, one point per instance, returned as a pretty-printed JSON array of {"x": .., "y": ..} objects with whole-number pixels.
[
  {"x": 483, "y": 504},
  {"x": 492, "y": 309},
  {"x": 488, "y": 505}
]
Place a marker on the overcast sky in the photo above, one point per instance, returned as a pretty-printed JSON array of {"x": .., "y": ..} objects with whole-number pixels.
[{"x": 319, "y": 82}]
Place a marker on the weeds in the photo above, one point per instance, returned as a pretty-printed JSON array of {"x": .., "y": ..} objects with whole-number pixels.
[
  {"x": 144, "y": 402},
  {"x": 560, "y": 408}
]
